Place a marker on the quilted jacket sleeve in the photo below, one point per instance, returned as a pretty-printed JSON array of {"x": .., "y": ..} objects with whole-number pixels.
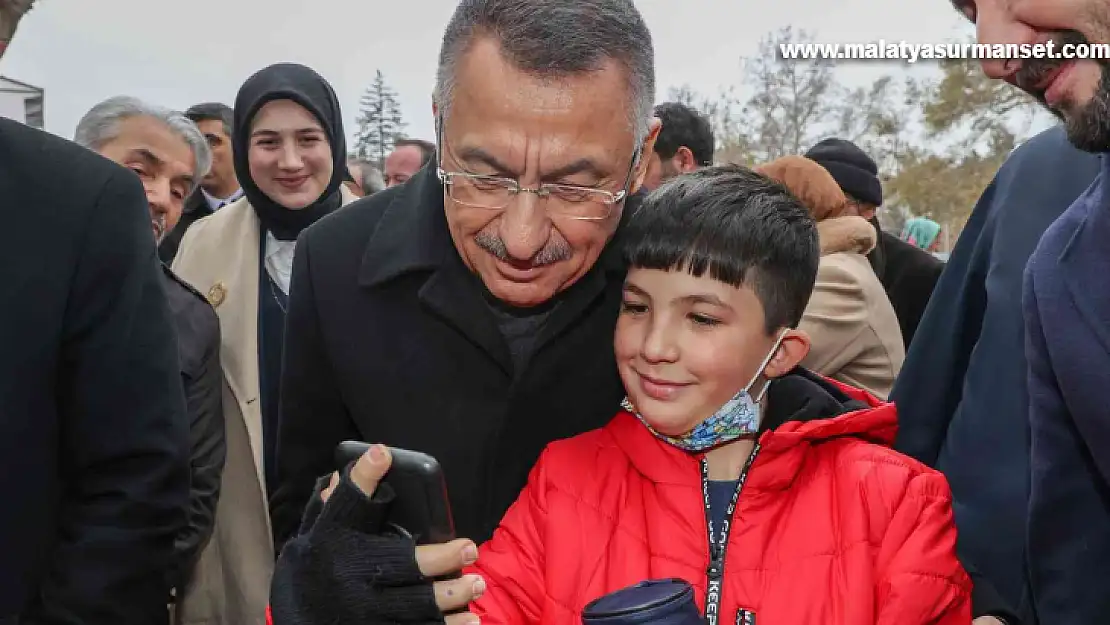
[
  {"x": 513, "y": 561},
  {"x": 919, "y": 580}
]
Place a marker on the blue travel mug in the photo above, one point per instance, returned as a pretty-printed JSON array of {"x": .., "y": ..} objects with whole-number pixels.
[{"x": 660, "y": 602}]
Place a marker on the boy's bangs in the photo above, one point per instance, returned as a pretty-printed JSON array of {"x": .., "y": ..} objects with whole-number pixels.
[{"x": 671, "y": 249}]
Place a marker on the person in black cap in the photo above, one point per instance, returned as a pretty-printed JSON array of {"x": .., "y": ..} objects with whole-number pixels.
[{"x": 908, "y": 274}]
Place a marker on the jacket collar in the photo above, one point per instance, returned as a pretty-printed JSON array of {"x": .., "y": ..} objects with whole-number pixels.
[
  {"x": 196, "y": 203},
  {"x": 412, "y": 234},
  {"x": 846, "y": 234},
  {"x": 802, "y": 409}
]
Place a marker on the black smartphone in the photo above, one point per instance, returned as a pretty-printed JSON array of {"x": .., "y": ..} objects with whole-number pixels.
[{"x": 421, "y": 507}]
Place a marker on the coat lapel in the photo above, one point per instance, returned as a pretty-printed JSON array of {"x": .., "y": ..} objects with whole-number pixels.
[
  {"x": 236, "y": 260},
  {"x": 1085, "y": 262}
]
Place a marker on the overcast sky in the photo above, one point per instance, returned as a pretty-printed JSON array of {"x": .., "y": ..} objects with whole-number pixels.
[{"x": 180, "y": 53}]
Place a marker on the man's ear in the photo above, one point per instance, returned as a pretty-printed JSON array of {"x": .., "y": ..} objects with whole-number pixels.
[
  {"x": 684, "y": 160},
  {"x": 646, "y": 150},
  {"x": 793, "y": 349}
]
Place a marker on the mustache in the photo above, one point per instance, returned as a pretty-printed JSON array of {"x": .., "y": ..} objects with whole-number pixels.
[
  {"x": 1034, "y": 71},
  {"x": 552, "y": 252}
]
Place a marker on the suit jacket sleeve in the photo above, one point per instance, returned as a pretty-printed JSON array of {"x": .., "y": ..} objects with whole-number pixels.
[
  {"x": 123, "y": 438},
  {"x": 1067, "y": 558},
  {"x": 204, "y": 401},
  {"x": 313, "y": 418},
  {"x": 930, "y": 384}
]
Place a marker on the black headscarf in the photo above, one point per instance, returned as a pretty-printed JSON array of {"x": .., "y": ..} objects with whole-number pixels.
[{"x": 289, "y": 81}]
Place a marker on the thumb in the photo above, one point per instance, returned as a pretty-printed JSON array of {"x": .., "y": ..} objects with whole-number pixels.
[{"x": 369, "y": 469}]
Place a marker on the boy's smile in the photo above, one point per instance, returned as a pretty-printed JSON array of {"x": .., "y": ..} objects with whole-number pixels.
[{"x": 685, "y": 345}]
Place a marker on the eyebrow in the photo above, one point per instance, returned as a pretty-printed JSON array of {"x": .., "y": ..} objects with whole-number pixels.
[
  {"x": 148, "y": 157},
  {"x": 151, "y": 160},
  {"x": 583, "y": 165},
  {"x": 693, "y": 298}
]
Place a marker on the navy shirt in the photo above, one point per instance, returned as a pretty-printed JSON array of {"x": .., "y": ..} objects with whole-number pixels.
[{"x": 720, "y": 495}]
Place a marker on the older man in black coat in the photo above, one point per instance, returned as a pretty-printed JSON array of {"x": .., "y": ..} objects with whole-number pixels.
[{"x": 93, "y": 434}]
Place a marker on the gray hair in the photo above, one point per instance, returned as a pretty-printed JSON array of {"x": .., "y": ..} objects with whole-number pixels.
[
  {"x": 101, "y": 124},
  {"x": 554, "y": 39},
  {"x": 372, "y": 179}
]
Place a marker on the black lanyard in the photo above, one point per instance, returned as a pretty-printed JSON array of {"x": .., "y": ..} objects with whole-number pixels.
[{"x": 718, "y": 547}]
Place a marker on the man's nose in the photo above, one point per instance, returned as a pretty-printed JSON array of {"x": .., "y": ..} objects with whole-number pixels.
[
  {"x": 158, "y": 195},
  {"x": 995, "y": 24},
  {"x": 525, "y": 226}
]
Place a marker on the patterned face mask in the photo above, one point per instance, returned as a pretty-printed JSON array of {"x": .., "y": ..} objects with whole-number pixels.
[{"x": 739, "y": 417}]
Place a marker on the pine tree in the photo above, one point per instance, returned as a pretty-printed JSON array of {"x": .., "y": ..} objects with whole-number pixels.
[{"x": 379, "y": 121}]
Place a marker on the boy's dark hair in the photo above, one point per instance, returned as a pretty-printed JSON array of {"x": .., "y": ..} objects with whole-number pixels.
[
  {"x": 683, "y": 126},
  {"x": 738, "y": 226}
]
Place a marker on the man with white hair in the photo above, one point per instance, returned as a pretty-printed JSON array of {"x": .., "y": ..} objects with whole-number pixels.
[
  {"x": 170, "y": 156},
  {"x": 94, "y": 435}
]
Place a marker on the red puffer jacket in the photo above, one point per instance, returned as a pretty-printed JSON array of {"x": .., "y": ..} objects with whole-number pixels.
[{"x": 832, "y": 527}]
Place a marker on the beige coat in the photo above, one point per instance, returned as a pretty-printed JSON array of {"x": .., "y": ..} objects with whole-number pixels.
[
  {"x": 231, "y": 584},
  {"x": 855, "y": 333}
]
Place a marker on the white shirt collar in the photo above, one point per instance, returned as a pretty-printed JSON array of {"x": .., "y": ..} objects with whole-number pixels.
[
  {"x": 279, "y": 261},
  {"x": 216, "y": 203}
]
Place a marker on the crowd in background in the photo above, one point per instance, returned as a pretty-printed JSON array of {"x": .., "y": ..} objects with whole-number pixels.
[{"x": 211, "y": 300}]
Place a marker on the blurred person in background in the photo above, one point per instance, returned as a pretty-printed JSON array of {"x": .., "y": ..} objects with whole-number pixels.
[
  {"x": 365, "y": 179},
  {"x": 94, "y": 436},
  {"x": 290, "y": 157},
  {"x": 407, "y": 158},
  {"x": 922, "y": 233},
  {"x": 169, "y": 155},
  {"x": 908, "y": 274},
  {"x": 219, "y": 186},
  {"x": 855, "y": 333},
  {"x": 685, "y": 144}
]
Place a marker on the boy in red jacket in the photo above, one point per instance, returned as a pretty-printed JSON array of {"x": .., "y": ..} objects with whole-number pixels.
[{"x": 771, "y": 490}]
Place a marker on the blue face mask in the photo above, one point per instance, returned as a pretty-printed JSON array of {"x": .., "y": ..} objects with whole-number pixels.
[{"x": 739, "y": 417}]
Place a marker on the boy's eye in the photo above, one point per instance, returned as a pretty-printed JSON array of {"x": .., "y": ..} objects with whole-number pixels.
[
  {"x": 633, "y": 308},
  {"x": 703, "y": 320}
]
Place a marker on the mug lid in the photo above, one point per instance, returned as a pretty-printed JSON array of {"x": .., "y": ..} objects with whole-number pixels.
[{"x": 642, "y": 596}]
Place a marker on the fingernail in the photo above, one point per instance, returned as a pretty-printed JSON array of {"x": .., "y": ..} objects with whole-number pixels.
[
  {"x": 377, "y": 454},
  {"x": 479, "y": 587},
  {"x": 470, "y": 555},
  {"x": 473, "y": 620}
]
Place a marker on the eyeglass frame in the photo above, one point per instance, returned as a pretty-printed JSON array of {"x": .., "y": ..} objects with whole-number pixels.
[{"x": 543, "y": 190}]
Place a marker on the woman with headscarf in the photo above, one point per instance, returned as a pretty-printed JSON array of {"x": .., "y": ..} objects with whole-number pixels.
[
  {"x": 855, "y": 333},
  {"x": 922, "y": 232},
  {"x": 290, "y": 158}
]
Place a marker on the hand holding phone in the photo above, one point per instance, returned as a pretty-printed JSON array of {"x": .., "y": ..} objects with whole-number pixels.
[{"x": 419, "y": 506}]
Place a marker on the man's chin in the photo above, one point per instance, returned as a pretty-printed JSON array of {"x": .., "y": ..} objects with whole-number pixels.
[{"x": 519, "y": 294}]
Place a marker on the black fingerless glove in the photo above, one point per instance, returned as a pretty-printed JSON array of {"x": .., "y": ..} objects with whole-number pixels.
[{"x": 346, "y": 566}]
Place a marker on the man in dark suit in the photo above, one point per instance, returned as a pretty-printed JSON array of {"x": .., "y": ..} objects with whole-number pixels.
[
  {"x": 951, "y": 412},
  {"x": 93, "y": 438},
  {"x": 219, "y": 187}
]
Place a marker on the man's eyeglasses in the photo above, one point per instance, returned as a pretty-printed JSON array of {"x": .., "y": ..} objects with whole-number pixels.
[{"x": 496, "y": 193}]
